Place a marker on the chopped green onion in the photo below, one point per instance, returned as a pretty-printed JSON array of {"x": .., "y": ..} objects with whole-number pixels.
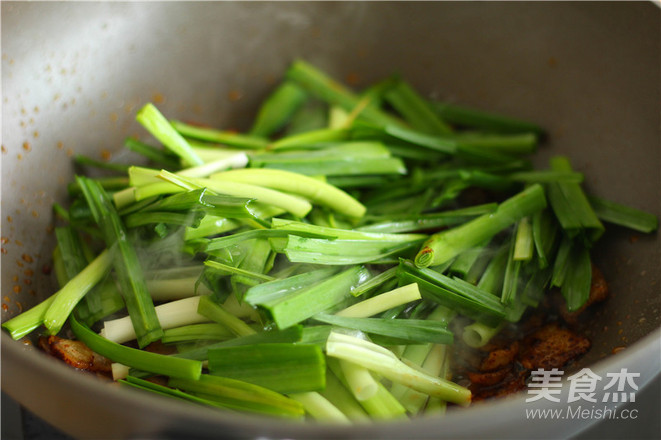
[
  {"x": 277, "y": 109},
  {"x": 445, "y": 245},
  {"x": 626, "y": 216},
  {"x": 68, "y": 296},
  {"x": 302, "y": 304},
  {"x": 342, "y": 252},
  {"x": 410, "y": 330},
  {"x": 226, "y": 269},
  {"x": 488, "y": 311},
  {"x": 329, "y": 90},
  {"x": 272, "y": 291},
  {"x": 384, "y": 362},
  {"x": 139, "y": 359},
  {"x": 337, "y": 394},
  {"x": 114, "y": 183},
  {"x": 320, "y": 408},
  {"x": 462, "y": 265},
  {"x": 309, "y": 117},
  {"x": 211, "y": 225},
  {"x": 383, "y": 405},
  {"x": 126, "y": 263},
  {"x": 312, "y": 189},
  {"x": 382, "y": 302},
  {"x": 360, "y": 380},
  {"x": 478, "y": 119},
  {"x": 545, "y": 236},
  {"x": 188, "y": 219},
  {"x": 216, "y": 312},
  {"x": 29, "y": 320},
  {"x": 193, "y": 332},
  {"x": 478, "y": 334},
  {"x": 169, "y": 315},
  {"x": 285, "y": 368},
  {"x": 238, "y": 160},
  {"x": 239, "y": 395},
  {"x": 154, "y": 121},
  {"x": 154, "y": 154},
  {"x": 175, "y": 288},
  {"x": 146, "y": 385},
  {"x": 293, "y": 204},
  {"x": 415, "y": 110},
  {"x": 357, "y": 166},
  {"x": 576, "y": 284},
  {"x": 420, "y": 222},
  {"x": 345, "y": 234},
  {"x": 511, "y": 278},
  {"x": 561, "y": 265},
  {"x": 454, "y": 284},
  {"x": 571, "y": 205},
  {"x": 375, "y": 281},
  {"x": 88, "y": 161},
  {"x": 289, "y": 335},
  {"x": 222, "y": 137}
]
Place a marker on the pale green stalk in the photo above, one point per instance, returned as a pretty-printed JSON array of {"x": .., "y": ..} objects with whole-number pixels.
[
  {"x": 320, "y": 408},
  {"x": 215, "y": 312},
  {"x": 72, "y": 292},
  {"x": 170, "y": 315},
  {"x": 161, "y": 129},
  {"x": 385, "y": 363},
  {"x": 380, "y": 303},
  {"x": 310, "y": 188},
  {"x": 296, "y": 205},
  {"x": 239, "y": 160},
  {"x": 178, "y": 288},
  {"x": 29, "y": 320},
  {"x": 478, "y": 335},
  {"x": 341, "y": 397},
  {"x": 359, "y": 379}
]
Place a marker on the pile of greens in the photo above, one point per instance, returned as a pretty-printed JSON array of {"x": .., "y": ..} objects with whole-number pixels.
[{"x": 311, "y": 266}]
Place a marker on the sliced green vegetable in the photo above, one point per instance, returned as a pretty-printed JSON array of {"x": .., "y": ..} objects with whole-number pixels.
[
  {"x": 622, "y": 215},
  {"x": 154, "y": 121},
  {"x": 219, "y": 136},
  {"x": 277, "y": 109},
  {"x": 415, "y": 109},
  {"x": 125, "y": 262},
  {"x": 411, "y": 330},
  {"x": 134, "y": 358},
  {"x": 302, "y": 304},
  {"x": 285, "y": 368},
  {"x": 239, "y": 395},
  {"x": 384, "y": 362},
  {"x": 443, "y": 246},
  {"x": 571, "y": 206}
]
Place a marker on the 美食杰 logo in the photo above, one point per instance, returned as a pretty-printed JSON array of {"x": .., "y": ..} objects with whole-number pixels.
[{"x": 584, "y": 386}]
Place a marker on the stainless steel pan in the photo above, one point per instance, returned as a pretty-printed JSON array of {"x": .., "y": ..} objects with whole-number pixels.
[{"x": 73, "y": 75}]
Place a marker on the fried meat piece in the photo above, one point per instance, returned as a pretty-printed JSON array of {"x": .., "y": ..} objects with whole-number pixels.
[
  {"x": 552, "y": 347},
  {"x": 76, "y": 354},
  {"x": 513, "y": 380},
  {"x": 500, "y": 358},
  {"x": 489, "y": 378}
]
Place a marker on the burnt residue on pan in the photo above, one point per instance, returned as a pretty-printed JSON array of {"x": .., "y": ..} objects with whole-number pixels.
[{"x": 548, "y": 338}]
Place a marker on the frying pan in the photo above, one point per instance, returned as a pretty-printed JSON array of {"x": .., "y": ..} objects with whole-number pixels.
[{"x": 73, "y": 75}]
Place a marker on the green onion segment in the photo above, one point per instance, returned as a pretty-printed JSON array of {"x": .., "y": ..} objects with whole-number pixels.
[{"x": 321, "y": 263}]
